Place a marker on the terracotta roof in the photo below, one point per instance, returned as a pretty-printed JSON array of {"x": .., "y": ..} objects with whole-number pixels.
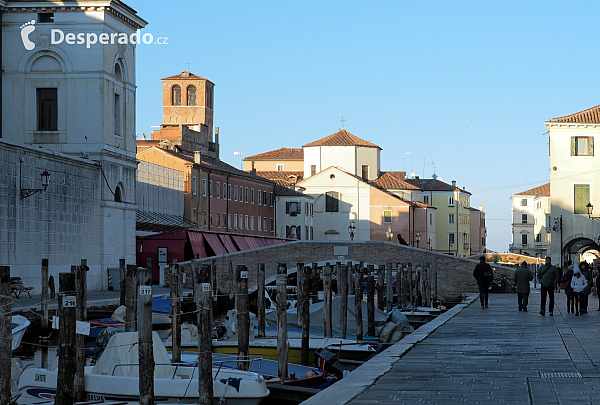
[
  {"x": 341, "y": 138},
  {"x": 390, "y": 181},
  {"x": 591, "y": 115},
  {"x": 540, "y": 191},
  {"x": 282, "y": 177},
  {"x": 433, "y": 185},
  {"x": 286, "y": 191},
  {"x": 186, "y": 74},
  {"x": 279, "y": 154}
]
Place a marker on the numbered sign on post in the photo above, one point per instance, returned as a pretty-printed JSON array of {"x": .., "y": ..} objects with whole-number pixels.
[
  {"x": 145, "y": 290},
  {"x": 206, "y": 287},
  {"x": 69, "y": 301},
  {"x": 244, "y": 274}
]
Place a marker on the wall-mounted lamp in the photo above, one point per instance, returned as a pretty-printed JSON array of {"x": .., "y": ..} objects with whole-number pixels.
[
  {"x": 352, "y": 230},
  {"x": 590, "y": 208},
  {"x": 28, "y": 192},
  {"x": 418, "y": 237}
]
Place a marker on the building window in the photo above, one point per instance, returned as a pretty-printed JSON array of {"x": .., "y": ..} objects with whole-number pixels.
[
  {"x": 45, "y": 17},
  {"x": 523, "y": 218},
  {"x": 272, "y": 198},
  {"x": 218, "y": 219},
  {"x": 218, "y": 189},
  {"x": 523, "y": 239},
  {"x": 582, "y": 198},
  {"x": 246, "y": 192},
  {"x": 538, "y": 237},
  {"x": 252, "y": 196},
  {"x": 332, "y": 201},
  {"x": 194, "y": 181},
  {"x": 47, "y": 104},
  {"x": 451, "y": 201},
  {"x": 524, "y": 202},
  {"x": 450, "y": 218},
  {"x": 210, "y": 194},
  {"x": 210, "y": 219},
  {"x": 312, "y": 207},
  {"x": 229, "y": 192},
  {"x": 425, "y": 199},
  {"x": 241, "y": 222},
  {"x": 387, "y": 216},
  {"x": 259, "y": 223},
  {"x": 246, "y": 220},
  {"x": 451, "y": 239},
  {"x": 265, "y": 202},
  {"x": 204, "y": 187},
  {"x": 292, "y": 208},
  {"x": 118, "y": 115},
  {"x": 265, "y": 224},
  {"x": 235, "y": 224},
  {"x": 235, "y": 193},
  {"x": 191, "y": 95},
  {"x": 259, "y": 197},
  {"x": 430, "y": 219},
  {"x": 582, "y": 146},
  {"x": 280, "y": 167},
  {"x": 176, "y": 95},
  {"x": 365, "y": 172},
  {"x": 313, "y": 170},
  {"x": 228, "y": 220}
]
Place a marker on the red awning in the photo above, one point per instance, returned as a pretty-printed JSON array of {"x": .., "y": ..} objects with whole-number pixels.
[
  {"x": 215, "y": 243},
  {"x": 261, "y": 242},
  {"x": 229, "y": 245},
  {"x": 197, "y": 242},
  {"x": 252, "y": 242},
  {"x": 241, "y": 242}
]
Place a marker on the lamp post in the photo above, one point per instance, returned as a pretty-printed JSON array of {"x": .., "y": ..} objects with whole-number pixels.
[
  {"x": 418, "y": 237},
  {"x": 352, "y": 230},
  {"x": 389, "y": 234}
]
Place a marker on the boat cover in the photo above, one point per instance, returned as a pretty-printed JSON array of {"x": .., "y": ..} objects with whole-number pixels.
[{"x": 122, "y": 349}]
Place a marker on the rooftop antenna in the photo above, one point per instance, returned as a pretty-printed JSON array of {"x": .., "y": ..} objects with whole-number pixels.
[
  {"x": 433, "y": 176},
  {"x": 342, "y": 121},
  {"x": 240, "y": 154}
]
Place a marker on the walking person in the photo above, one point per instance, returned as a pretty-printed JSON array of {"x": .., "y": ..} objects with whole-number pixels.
[
  {"x": 484, "y": 275},
  {"x": 586, "y": 272},
  {"x": 578, "y": 284},
  {"x": 522, "y": 278},
  {"x": 548, "y": 277},
  {"x": 565, "y": 284}
]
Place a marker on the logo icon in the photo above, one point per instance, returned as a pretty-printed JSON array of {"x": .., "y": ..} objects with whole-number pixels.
[{"x": 27, "y": 29}]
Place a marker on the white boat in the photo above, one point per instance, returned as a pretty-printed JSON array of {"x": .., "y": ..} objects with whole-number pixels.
[
  {"x": 116, "y": 377},
  {"x": 19, "y": 326}
]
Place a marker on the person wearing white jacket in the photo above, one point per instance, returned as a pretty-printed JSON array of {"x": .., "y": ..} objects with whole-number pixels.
[{"x": 578, "y": 284}]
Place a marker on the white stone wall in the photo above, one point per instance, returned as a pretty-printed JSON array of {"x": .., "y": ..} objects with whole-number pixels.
[{"x": 160, "y": 189}]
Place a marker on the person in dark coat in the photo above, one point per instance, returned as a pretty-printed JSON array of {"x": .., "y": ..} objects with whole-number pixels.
[
  {"x": 586, "y": 272},
  {"x": 481, "y": 272},
  {"x": 401, "y": 240},
  {"x": 548, "y": 277},
  {"x": 522, "y": 278},
  {"x": 565, "y": 281}
]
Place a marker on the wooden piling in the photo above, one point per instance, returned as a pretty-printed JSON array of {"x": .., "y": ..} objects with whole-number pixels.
[
  {"x": 389, "y": 293},
  {"x": 131, "y": 298},
  {"x": 260, "y": 280},
  {"x": 282, "y": 344},
  {"x": 327, "y": 301},
  {"x": 399, "y": 286},
  {"x": 344, "y": 300},
  {"x": 175, "y": 294},
  {"x": 243, "y": 318},
  {"x": 145, "y": 349},
  {"x": 358, "y": 301},
  {"x": 79, "y": 393},
  {"x": 44, "y": 307},
  {"x": 370, "y": 300},
  {"x": 380, "y": 289},
  {"x": 202, "y": 293},
  {"x": 5, "y": 334},
  {"x": 303, "y": 298},
  {"x": 66, "y": 358},
  {"x": 299, "y": 288},
  {"x": 410, "y": 284},
  {"x": 84, "y": 269},
  {"x": 122, "y": 282},
  {"x": 314, "y": 283},
  {"x": 404, "y": 291}
]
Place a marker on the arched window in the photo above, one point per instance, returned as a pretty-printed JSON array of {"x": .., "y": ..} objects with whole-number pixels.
[
  {"x": 176, "y": 95},
  {"x": 118, "y": 194},
  {"x": 118, "y": 73},
  {"x": 191, "y": 95}
]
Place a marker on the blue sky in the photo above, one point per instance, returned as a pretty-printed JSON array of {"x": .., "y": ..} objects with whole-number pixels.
[{"x": 465, "y": 84}]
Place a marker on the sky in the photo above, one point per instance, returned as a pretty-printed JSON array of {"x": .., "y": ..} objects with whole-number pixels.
[{"x": 460, "y": 88}]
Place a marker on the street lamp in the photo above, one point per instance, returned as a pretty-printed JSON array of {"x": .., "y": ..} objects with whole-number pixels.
[
  {"x": 352, "y": 230},
  {"x": 418, "y": 237},
  {"x": 28, "y": 192},
  {"x": 389, "y": 234}
]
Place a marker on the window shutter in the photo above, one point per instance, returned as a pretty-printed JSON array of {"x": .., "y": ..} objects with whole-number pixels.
[
  {"x": 573, "y": 142},
  {"x": 591, "y": 146},
  {"x": 287, "y": 207}
]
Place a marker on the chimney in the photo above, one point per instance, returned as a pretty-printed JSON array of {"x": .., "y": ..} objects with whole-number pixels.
[
  {"x": 293, "y": 187},
  {"x": 197, "y": 157},
  {"x": 481, "y": 207},
  {"x": 217, "y": 141},
  {"x": 454, "y": 183}
]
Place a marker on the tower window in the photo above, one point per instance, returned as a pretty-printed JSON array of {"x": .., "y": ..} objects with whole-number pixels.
[
  {"x": 176, "y": 95},
  {"x": 191, "y": 95}
]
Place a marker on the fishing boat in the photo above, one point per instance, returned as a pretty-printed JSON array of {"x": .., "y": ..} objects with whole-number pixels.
[
  {"x": 116, "y": 377},
  {"x": 19, "y": 326}
]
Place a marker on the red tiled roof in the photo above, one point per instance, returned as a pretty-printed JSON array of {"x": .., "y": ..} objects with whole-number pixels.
[
  {"x": 282, "y": 190},
  {"x": 390, "y": 181},
  {"x": 341, "y": 138},
  {"x": 433, "y": 185},
  {"x": 184, "y": 75},
  {"x": 281, "y": 177},
  {"x": 540, "y": 191},
  {"x": 279, "y": 154},
  {"x": 591, "y": 115}
]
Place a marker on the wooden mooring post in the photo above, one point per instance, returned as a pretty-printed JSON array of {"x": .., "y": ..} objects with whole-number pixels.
[
  {"x": 79, "y": 273},
  {"x": 175, "y": 294},
  {"x": 122, "y": 282},
  {"x": 202, "y": 293},
  {"x": 131, "y": 298},
  {"x": 304, "y": 308},
  {"x": 66, "y": 357},
  {"x": 44, "y": 307},
  {"x": 370, "y": 300},
  {"x": 260, "y": 281},
  {"x": 358, "y": 284},
  {"x": 327, "y": 301},
  {"x": 344, "y": 300},
  {"x": 5, "y": 334},
  {"x": 145, "y": 349},
  {"x": 389, "y": 290},
  {"x": 314, "y": 283},
  {"x": 243, "y": 318},
  {"x": 282, "y": 344},
  {"x": 380, "y": 289},
  {"x": 299, "y": 292}
]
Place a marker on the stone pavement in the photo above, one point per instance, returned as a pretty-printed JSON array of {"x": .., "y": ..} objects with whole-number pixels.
[{"x": 471, "y": 355}]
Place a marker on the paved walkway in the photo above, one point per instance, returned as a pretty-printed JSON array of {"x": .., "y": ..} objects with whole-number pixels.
[{"x": 498, "y": 355}]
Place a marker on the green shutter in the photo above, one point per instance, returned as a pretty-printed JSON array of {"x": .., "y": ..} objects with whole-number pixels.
[
  {"x": 582, "y": 198},
  {"x": 573, "y": 142},
  {"x": 591, "y": 146}
]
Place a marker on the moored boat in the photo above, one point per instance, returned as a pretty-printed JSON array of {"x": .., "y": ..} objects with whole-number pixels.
[{"x": 19, "y": 326}]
